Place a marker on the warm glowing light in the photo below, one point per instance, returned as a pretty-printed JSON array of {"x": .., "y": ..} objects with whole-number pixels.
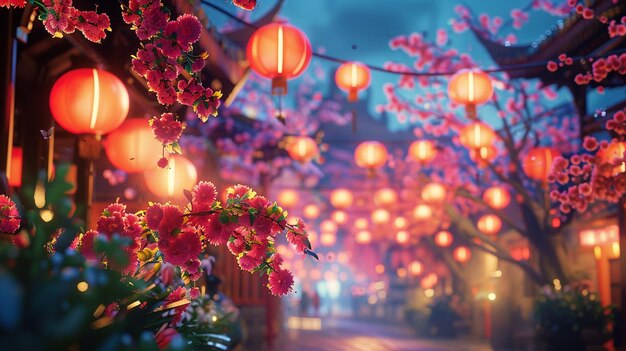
[
  {"x": 89, "y": 101},
  {"x": 422, "y": 212},
  {"x": 429, "y": 293},
  {"x": 363, "y": 237},
  {"x": 169, "y": 182},
  {"x": 132, "y": 147},
  {"x": 489, "y": 224},
  {"x": 385, "y": 197},
  {"x": 380, "y": 216},
  {"x": 288, "y": 198},
  {"x": 402, "y": 237},
  {"x": 443, "y": 238},
  {"x": 82, "y": 286},
  {"x": 279, "y": 51},
  {"x": 341, "y": 198},
  {"x": 400, "y": 222},
  {"x": 520, "y": 253},
  {"x": 46, "y": 215},
  {"x": 311, "y": 211},
  {"x": 353, "y": 77},
  {"x": 613, "y": 154},
  {"x": 429, "y": 281},
  {"x": 538, "y": 162},
  {"x": 370, "y": 155},
  {"x": 470, "y": 87},
  {"x": 416, "y": 268},
  {"x": 340, "y": 217},
  {"x": 434, "y": 193},
  {"x": 462, "y": 254},
  {"x": 599, "y": 236},
  {"x": 401, "y": 272},
  {"x": 422, "y": 151},
  {"x": 484, "y": 155},
  {"x": 477, "y": 135},
  {"x": 328, "y": 226},
  {"x": 491, "y": 296},
  {"x": 497, "y": 197},
  {"x": 380, "y": 269},
  {"x": 15, "y": 171},
  {"x": 302, "y": 148},
  {"x": 40, "y": 194},
  {"x": 361, "y": 223},
  {"x": 328, "y": 239}
]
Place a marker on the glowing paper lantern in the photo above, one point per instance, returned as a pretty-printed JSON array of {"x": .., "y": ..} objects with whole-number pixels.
[
  {"x": 361, "y": 223},
  {"x": 353, "y": 77},
  {"x": 341, "y": 198},
  {"x": 17, "y": 160},
  {"x": 132, "y": 147},
  {"x": 429, "y": 281},
  {"x": 520, "y": 253},
  {"x": 279, "y": 51},
  {"x": 484, "y": 155},
  {"x": 311, "y": 211},
  {"x": 363, "y": 237},
  {"x": 340, "y": 217},
  {"x": 497, "y": 197},
  {"x": 328, "y": 226},
  {"x": 416, "y": 268},
  {"x": 477, "y": 135},
  {"x": 385, "y": 197},
  {"x": 288, "y": 198},
  {"x": 538, "y": 162},
  {"x": 328, "y": 239},
  {"x": 470, "y": 88},
  {"x": 462, "y": 254},
  {"x": 380, "y": 216},
  {"x": 402, "y": 237},
  {"x": 422, "y": 212},
  {"x": 370, "y": 155},
  {"x": 434, "y": 193},
  {"x": 489, "y": 224},
  {"x": 422, "y": 151},
  {"x": 170, "y": 182},
  {"x": 89, "y": 101},
  {"x": 400, "y": 222},
  {"x": 302, "y": 148},
  {"x": 443, "y": 238},
  {"x": 615, "y": 151}
]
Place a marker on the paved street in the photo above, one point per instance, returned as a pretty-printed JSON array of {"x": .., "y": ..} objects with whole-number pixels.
[{"x": 352, "y": 335}]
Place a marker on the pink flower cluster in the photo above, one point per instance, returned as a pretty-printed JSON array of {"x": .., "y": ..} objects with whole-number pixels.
[
  {"x": 248, "y": 224},
  {"x": 9, "y": 217},
  {"x": 617, "y": 29},
  {"x": 597, "y": 175},
  {"x": 60, "y": 17},
  {"x": 167, "y": 129},
  {"x": 167, "y": 55}
]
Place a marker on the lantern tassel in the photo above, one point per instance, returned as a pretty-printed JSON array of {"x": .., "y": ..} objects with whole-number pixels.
[
  {"x": 279, "y": 86},
  {"x": 470, "y": 111},
  {"x": 280, "y": 116},
  {"x": 353, "y": 95}
]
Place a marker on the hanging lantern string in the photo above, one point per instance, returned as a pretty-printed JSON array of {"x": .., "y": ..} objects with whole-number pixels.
[{"x": 507, "y": 68}]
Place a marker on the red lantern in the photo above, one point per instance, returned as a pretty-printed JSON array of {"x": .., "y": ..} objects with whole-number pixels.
[
  {"x": 279, "y": 51},
  {"x": 311, "y": 211},
  {"x": 132, "y": 147},
  {"x": 15, "y": 172},
  {"x": 340, "y": 217},
  {"x": 341, "y": 198},
  {"x": 328, "y": 226},
  {"x": 302, "y": 148},
  {"x": 484, "y": 155},
  {"x": 538, "y": 162},
  {"x": 353, "y": 77},
  {"x": 328, "y": 239},
  {"x": 169, "y": 182},
  {"x": 89, "y": 101},
  {"x": 443, "y": 239},
  {"x": 489, "y": 224},
  {"x": 497, "y": 197},
  {"x": 477, "y": 135},
  {"x": 470, "y": 88},
  {"x": 462, "y": 254},
  {"x": 363, "y": 237},
  {"x": 422, "y": 212},
  {"x": 402, "y": 237},
  {"x": 370, "y": 155},
  {"x": 434, "y": 193},
  {"x": 520, "y": 253},
  {"x": 416, "y": 268},
  {"x": 380, "y": 216},
  {"x": 422, "y": 151},
  {"x": 429, "y": 281}
]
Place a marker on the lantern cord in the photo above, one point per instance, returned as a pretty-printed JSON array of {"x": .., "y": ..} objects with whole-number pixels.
[{"x": 506, "y": 68}]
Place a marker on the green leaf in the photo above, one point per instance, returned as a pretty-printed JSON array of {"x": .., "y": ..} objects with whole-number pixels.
[{"x": 224, "y": 217}]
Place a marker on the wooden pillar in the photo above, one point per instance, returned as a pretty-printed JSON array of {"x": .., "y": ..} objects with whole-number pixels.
[
  {"x": 621, "y": 215},
  {"x": 7, "y": 86}
]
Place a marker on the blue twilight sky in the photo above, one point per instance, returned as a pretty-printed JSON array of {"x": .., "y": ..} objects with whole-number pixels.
[{"x": 360, "y": 30}]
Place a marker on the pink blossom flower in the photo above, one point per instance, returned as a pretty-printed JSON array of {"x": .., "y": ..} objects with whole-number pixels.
[
  {"x": 9, "y": 216},
  {"x": 189, "y": 29},
  {"x": 166, "y": 128},
  {"x": 203, "y": 195},
  {"x": 280, "y": 282},
  {"x": 183, "y": 247}
]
